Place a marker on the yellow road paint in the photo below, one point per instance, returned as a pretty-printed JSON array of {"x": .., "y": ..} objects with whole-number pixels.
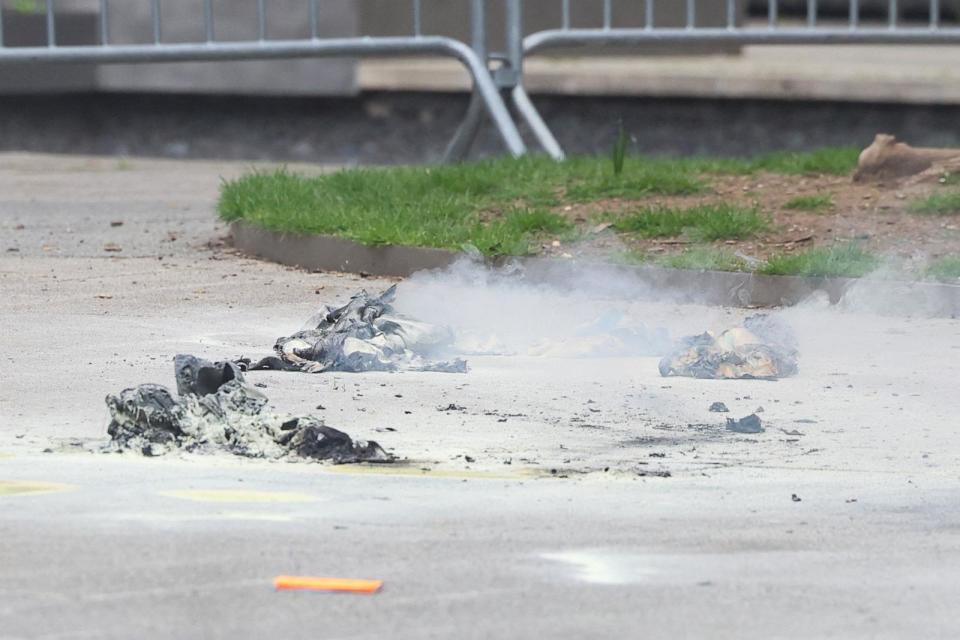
[
  {"x": 22, "y": 487},
  {"x": 232, "y": 495}
]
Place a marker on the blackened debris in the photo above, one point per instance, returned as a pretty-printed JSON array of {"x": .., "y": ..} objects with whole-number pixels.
[
  {"x": 366, "y": 334},
  {"x": 201, "y": 377},
  {"x": 217, "y": 411},
  {"x": 763, "y": 348},
  {"x": 750, "y": 424},
  {"x": 719, "y": 407}
]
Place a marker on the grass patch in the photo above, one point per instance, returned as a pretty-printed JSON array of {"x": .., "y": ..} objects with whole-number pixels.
[
  {"x": 951, "y": 179},
  {"x": 704, "y": 222},
  {"x": 837, "y": 161},
  {"x": 811, "y": 203},
  {"x": 703, "y": 259},
  {"x": 847, "y": 260},
  {"x": 502, "y": 205},
  {"x": 941, "y": 204},
  {"x": 945, "y": 269}
]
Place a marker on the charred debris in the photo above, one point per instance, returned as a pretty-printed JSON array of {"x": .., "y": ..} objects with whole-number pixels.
[
  {"x": 366, "y": 334},
  {"x": 214, "y": 410}
]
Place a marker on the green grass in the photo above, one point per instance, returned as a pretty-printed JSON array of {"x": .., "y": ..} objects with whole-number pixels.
[
  {"x": 943, "y": 203},
  {"x": 500, "y": 206},
  {"x": 811, "y": 203},
  {"x": 951, "y": 179},
  {"x": 703, "y": 259},
  {"x": 837, "y": 161},
  {"x": 845, "y": 259},
  {"x": 945, "y": 269},
  {"x": 703, "y": 222}
]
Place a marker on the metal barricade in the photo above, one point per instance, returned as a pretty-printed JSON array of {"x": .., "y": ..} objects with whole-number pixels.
[
  {"x": 772, "y": 29},
  {"x": 263, "y": 47}
]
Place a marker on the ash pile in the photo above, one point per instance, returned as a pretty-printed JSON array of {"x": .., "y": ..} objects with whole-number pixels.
[
  {"x": 214, "y": 410},
  {"x": 764, "y": 348},
  {"x": 366, "y": 334}
]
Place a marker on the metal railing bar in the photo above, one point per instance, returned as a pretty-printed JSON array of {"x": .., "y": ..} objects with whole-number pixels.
[
  {"x": 691, "y": 14},
  {"x": 731, "y": 14},
  {"x": 314, "y": 20},
  {"x": 1, "y": 27},
  {"x": 649, "y": 15},
  {"x": 854, "y": 14},
  {"x": 565, "y": 14},
  {"x": 811, "y": 13},
  {"x": 772, "y": 13},
  {"x": 793, "y": 35},
  {"x": 417, "y": 18},
  {"x": 607, "y": 14},
  {"x": 155, "y": 17},
  {"x": 51, "y": 25},
  {"x": 893, "y": 14},
  {"x": 934, "y": 14}
]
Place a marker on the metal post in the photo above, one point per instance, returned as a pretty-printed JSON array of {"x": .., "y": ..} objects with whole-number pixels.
[
  {"x": 314, "y": 20},
  {"x": 208, "y": 19},
  {"x": 518, "y": 94},
  {"x": 894, "y": 14},
  {"x": 691, "y": 14},
  {"x": 854, "y": 14},
  {"x": 467, "y": 132},
  {"x": 811, "y": 13},
  {"x": 649, "y": 17},
  {"x": 155, "y": 16},
  {"x": 417, "y": 19},
  {"x": 261, "y": 20},
  {"x": 934, "y": 14},
  {"x": 104, "y": 22},
  {"x": 773, "y": 13},
  {"x": 1, "y": 26},
  {"x": 607, "y": 14},
  {"x": 565, "y": 9},
  {"x": 51, "y": 25},
  {"x": 731, "y": 14}
]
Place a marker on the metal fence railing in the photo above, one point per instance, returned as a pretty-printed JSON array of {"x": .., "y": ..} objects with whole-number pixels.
[
  {"x": 154, "y": 47},
  {"x": 499, "y": 73},
  {"x": 738, "y": 29}
]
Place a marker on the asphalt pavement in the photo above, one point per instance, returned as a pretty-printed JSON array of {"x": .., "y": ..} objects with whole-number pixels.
[{"x": 565, "y": 496}]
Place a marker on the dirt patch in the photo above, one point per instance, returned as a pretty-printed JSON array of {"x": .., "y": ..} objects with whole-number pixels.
[{"x": 877, "y": 215}]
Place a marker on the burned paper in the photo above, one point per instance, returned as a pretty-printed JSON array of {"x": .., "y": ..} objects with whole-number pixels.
[
  {"x": 217, "y": 411},
  {"x": 763, "y": 348},
  {"x": 366, "y": 334}
]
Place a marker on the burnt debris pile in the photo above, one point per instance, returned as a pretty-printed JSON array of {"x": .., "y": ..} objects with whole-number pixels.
[
  {"x": 214, "y": 410},
  {"x": 763, "y": 348},
  {"x": 366, "y": 334}
]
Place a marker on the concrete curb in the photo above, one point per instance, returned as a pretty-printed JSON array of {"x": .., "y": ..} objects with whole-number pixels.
[{"x": 327, "y": 253}]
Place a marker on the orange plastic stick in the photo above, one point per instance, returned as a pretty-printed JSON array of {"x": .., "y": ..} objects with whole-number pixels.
[{"x": 312, "y": 583}]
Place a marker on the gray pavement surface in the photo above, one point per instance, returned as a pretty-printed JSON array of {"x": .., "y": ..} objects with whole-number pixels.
[{"x": 561, "y": 522}]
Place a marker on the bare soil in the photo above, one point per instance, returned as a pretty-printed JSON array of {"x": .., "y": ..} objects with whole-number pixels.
[{"x": 877, "y": 215}]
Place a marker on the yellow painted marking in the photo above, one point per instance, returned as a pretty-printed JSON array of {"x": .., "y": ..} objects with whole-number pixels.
[
  {"x": 4, "y": 454},
  {"x": 231, "y": 495},
  {"x": 20, "y": 487}
]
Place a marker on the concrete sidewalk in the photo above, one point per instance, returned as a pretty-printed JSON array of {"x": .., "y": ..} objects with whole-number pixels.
[{"x": 559, "y": 522}]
